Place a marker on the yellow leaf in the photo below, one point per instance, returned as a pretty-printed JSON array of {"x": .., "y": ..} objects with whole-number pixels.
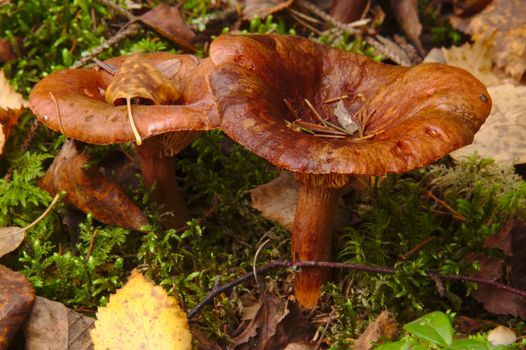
[{"x": 141, "y": 315}]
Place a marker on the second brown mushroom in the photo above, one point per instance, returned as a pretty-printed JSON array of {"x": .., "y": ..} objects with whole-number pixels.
[
  {"x": 277, "y": 97},
  {"x": 173, "y": 105}
]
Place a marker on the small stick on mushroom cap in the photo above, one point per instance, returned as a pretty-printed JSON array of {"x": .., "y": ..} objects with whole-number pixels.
[{"x": 411, "y": 117}]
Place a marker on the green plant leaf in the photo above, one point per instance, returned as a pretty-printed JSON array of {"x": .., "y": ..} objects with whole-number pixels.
[
  {"x": 402, "y": 345},
  {"x": 434, "y": 327},
  {"x": 469, "y": 344}
]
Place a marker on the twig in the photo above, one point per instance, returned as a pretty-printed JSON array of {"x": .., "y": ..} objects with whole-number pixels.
[
  {"x": 91, "y": 244},
  {"x": 349, "y": 28},
  {"x": 318, "y": 116},
  {"x": 344, "y": 266},
  {"x": 130, "y": 30},
  {"x": 455, "y": 213},
  {"x": 418, "y": 247},
  {"x": 121, "y": 11},
  {"x": 318, "y": 343},
  {"x": 336, "y": 99},
  {"x": 206, "y": 215}
]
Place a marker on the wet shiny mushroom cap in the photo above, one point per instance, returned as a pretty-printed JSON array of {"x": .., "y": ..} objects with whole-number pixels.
[
  {"x": 72, "y": 102},
  {"x": 414, "y": 115}
]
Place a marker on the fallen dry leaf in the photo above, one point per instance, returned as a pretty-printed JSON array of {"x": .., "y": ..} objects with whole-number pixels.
[
  {"x": 466, "y": 325},
  {"x": 139, "y": 80},
  {"x": 276, "y": 323},
  {"x": 503, "y": 135},
  {"x": 12, "y": 236},
  {"x": 6, "y": 51},
  {"x": 141, "y": 315},
  {"x": 506, "y": 20},
  {"x": 52, "y": 326},
  {"x": 203, "y": 343},
  {"x": 263, "y": 8},
  {"x": 345, "y": 118},
  {"x": 469, "y": 7},
  {"x": 12, "y": 105},
  {"x": 168, "y": 22},
  {"x": 276, "y": 200},
  {"x": 384, "y": 327},
  {"x": 300, "y": 346},
  {"x": 495, "y": 300},
  {"x": 16, "y": 299},
  {"x": 475, "y": 58},
  {"x": 91, "y": 191},
  {"x": 406, "y": 12}
]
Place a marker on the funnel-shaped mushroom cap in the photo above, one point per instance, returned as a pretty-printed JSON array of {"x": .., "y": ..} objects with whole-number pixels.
[
  {"x": 416, "y": 115},
  {"x": 73, "y": 102}
]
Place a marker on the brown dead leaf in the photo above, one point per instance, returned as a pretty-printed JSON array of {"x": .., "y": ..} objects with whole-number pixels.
[
  {"x": 203, "y": 343},
  {"x": 475, "y": 58},
  {"x": 276, "y": 323},
  {"x": 406, "y": 12},
  {"x": 503, "y": 135},
  {"x": 383, "y": 327},
  {"x": 16, "y": 299},
  {"x": 466, "y": 325},
  {"x": 300, "y": 346},
  {"x": 469, "y": 7},
  {"x": 6, "y": 51},
  {"x": 168, "y": 22},
  {"x": 506, "y": 20},
  {"x": 51, "y": 325},
  {"x": 263, "y": 8},
  {"x": 141, "y": 315},
  {"x": 91, "y": 191},
  {"x": 276, "y": 201},
  {"x": 495, "y": 300},
  {"x": 12, "y": 105}
]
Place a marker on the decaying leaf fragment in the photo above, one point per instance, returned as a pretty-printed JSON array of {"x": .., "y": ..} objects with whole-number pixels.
[
  {"x": 263, "y": 8},
  {"x": 506, "y": 20},
  {"x": 406, "y": 12},
  {"x": 141, "y": 315},
  {"x": 275, "y": 323},
  {"x": 51, "y": 325},
  {"x": 168, "y": 22},
  {"x": 475, "y": 58},
  {"x": 11, "y": 107},
  {"x": 503, "y": 135},
  {"x": 140, "y": 81},
  {"x": 16, "y": 299},
  {"x": 384, "y": 327},
  {"x": 91, "y": 191}
]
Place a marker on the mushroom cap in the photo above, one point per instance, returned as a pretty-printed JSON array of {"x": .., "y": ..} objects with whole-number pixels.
[
  {"x": 72, "y": 101},
  {"x": 420, "y": 113}
]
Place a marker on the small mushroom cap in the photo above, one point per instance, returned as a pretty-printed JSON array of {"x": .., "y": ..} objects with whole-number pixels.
[
  {"x": 72, "y": 101},
  {"x": 420, "y": 113}
]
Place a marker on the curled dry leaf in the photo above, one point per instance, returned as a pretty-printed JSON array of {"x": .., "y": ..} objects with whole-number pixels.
[
  {"x": 263, "y": 8},
  {"x": 139, "y": 80},
  {"x": 141, "y": 315},
  {"x": 51, "y": 325},
  {"x": 91, "y": 191},
  {"x": 503, "y": 135},
  {"x": 384, "y": 327},
  {"x": 505, "y": 19},
  {"x": 406, "y": 12},
  {"x": 16, "y": 299},
  {"x": 168, "y": 22},
  {"x": 11, "y": 107}
]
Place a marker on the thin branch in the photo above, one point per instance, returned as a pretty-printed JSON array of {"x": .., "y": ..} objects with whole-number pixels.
[
  {"x": 344, "y": 266},
  {"x": 130, "y": 30}
]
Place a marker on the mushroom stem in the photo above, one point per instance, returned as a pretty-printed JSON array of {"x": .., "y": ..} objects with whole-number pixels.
[
  {"x": 312, "y": 236},
  {"x": 159, "y": 171}
]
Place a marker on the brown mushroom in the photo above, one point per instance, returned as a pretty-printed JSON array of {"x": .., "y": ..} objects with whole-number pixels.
[
  {"x": 73, "y": 102},
  {"x": 276, "y": 94}
]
